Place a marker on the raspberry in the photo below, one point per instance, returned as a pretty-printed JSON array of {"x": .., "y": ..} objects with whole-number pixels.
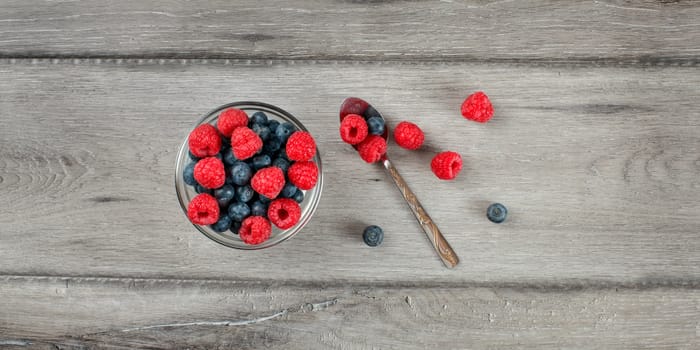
[
  {"x": 245, "y": 143},
  {"x": 408, "y": 135},
  {"x": 372, "y": 148},
  {"x": 477, "y": 107},
  {"x": 209, "y": 172},
  {"x": 446, "y": 165},
  {"x": 255, "y": 230},
  {"x": 303, "y": 175},
  {"x": 230, "y": 119},
  {"x": 301, "y": 146},
  {"x": 268, "y": 182},
  {"x": 353, "y": 129},
  {"x": 204, "y": 141},
  {"x": 284, "y": 212},
  {"x": 203, "y": 209},
  {"x": 352, "y": 106}
]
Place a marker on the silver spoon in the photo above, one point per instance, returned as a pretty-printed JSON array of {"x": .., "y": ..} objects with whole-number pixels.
[{"x": 354, "y": 105}]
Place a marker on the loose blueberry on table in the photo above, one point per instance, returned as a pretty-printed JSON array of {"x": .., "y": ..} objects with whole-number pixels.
[{"x": 373, "y": 235}]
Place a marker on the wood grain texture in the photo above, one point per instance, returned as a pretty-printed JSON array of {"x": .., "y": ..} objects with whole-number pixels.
[
  {"x": 598, "y": 167},
  {"x": 598, "y": 32},
  {"x": 130, "y": 313}
]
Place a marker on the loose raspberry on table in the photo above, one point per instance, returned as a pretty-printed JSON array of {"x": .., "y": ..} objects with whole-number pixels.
[
  {"x": 353, "y": 129},
  {"x": 209, "y": 172},
  {"x": 301, "y": 146},
  {"x": 408, "y": 135},
  {"x": 255, "y": 230},
  {"x": 204, "y": 141},
  {"x": 372, "y": 148},
  {"x": 203, "y": 209},
  {"x": 352, "y": 106},
  {"x": 284, "y": 212},
  {"x": 446, "y": 165},
  {"x": 303, "y": 175},
  {"x": 230, "y": 119},
  {"x": 245, "y": 143},
  {"x": 477, "y": 107},
  {"x": 268, "y": 182}
]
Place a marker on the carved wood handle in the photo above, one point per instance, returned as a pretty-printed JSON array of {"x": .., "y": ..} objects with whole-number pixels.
[{"x": 447, "y": 255}]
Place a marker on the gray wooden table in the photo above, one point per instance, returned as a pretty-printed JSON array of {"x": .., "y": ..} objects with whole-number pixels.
[{"x": 595, "y": 149}]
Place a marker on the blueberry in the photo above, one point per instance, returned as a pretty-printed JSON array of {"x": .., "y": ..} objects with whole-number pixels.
[
  {"x": 261, "y": 161},
  {"x": 225, "y": 144},
  {"x": 241, "y": 173},
  {"x": 375, "y": 125},
  {"x": 283, "y": 154},
  {"x": 229, "y": 158},
  {"x": 370, "y": 112},
  {"x": 373, "y": 235},
  {"x": 235, "y": 226},
  {"x": 281, "y": 163},
  {"x": 258, "y": 208},
  {"x": 271, "y": 146},
  {"x": 299, "y": 196},
  {"x": 224, "y": 195},
  {"x": 223, "y": 224},
  {"x": 218, "y": 156},
  {"x": 288, "y": 191},
  {"x": 192, "y": 156},
  {"x": 259, "y": 118},
  {"x": 238, "y": 211},
  {"x": 188, "y": 174},
  {"x": 262, "y": 131},
  {"x": 283, "y": 131},
  {"x": 201, "y": 189},
  {"x": 497, "y": 213},
  {"x": 264, "y": 199},
  {"x": 244, "y": 194},
  {"x": 273, "y": 124}
]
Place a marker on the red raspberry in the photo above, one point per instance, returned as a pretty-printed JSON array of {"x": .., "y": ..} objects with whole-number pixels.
[
  {"x": 203, "y": 209},
  {"x": 268, "y": 181},
  {"x": 284, "y": 212},
  {"x": 204, "y": 141},
  {"x": 477, "y": 107},
  {"x": 301, "y": 146},
  {"x": 409, "y": 135},
  {"x": 372, "y": 148},
  {"x": 245, "y": 143},
  {"x": 446, "y": 165},
  {"x": 209, "y": 172},
  {"x": 255, "y": 230},
  {"x": 303, "y": 175},
  {"x": 353, "y": 129},
  {"x": 352, "y": 106},
  {"x": 230, "y": 119}
]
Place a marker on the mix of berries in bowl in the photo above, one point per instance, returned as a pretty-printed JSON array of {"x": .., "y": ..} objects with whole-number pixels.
[{"x": 249, "y": 175}]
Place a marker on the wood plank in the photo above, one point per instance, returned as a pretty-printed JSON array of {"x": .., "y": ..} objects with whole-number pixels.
[
  {"x": 599, "y": 168},
  {"x": 107, "y": 313},
  {"x": 598, "y": 32}
]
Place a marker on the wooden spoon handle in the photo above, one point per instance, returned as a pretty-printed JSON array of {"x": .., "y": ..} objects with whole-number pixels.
[{"x": 444, "y": 250}]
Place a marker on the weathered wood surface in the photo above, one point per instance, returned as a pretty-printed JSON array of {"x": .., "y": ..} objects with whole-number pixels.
[
  {"x": 631, "y": 32},
  {"x": 158, "y": 314},
  {"x": 600, "y": 174}
]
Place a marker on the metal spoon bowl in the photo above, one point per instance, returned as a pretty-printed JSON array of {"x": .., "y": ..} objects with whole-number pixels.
[{"x": 354, "y": 105}]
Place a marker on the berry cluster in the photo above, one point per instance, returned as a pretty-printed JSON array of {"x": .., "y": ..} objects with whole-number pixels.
[{"x": 249, "y": 173}]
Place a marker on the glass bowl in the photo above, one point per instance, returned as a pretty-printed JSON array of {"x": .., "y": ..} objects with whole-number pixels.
[{"x": 185, "y": 193}]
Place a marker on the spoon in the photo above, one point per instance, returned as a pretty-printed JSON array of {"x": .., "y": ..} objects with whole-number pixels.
[{"x": 354, "y": 105}]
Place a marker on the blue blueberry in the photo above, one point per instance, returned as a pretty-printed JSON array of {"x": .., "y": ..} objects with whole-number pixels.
[
  {"x": 235, "y": 226},
  {"x": 258, "y": 208},
  {"x": 373, "y": 235},
  {"x": 188, "y": 174},
  {"x": 284, "y": 131},
  {"x": 229, "y": 159},
  {"x": 497, "y": 213},
  {"x": 223, "y": 224},
  {"x": 262, "y": 131},
  {"x": 192, "y": 156},
  {"x": 288, "y": 191},
  {"x": 238, "y": 211},
  {"x": 224, "y": 195},
  {"x": 281, "y": 163},
  {"x": 218, "y": 156},
  {"x": 264, "y": 199},
  {"x": 261, "y": 161},
  {"x": 241, "y": 173},
  {"x": 225, "y": 144},
  {"x": 271, "y": 146},
  {"x": 370, "y": 112},
  {"x": 201, "y": 189},
  {"x": 283, "y": 154},
  {"x": 259, "y": 118},
  {"x": 272, "y": 125},
  {"x": 244, "y": 194},
  {"x": 299, "y": 196},
  {"x": 375, "y": 125}
]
